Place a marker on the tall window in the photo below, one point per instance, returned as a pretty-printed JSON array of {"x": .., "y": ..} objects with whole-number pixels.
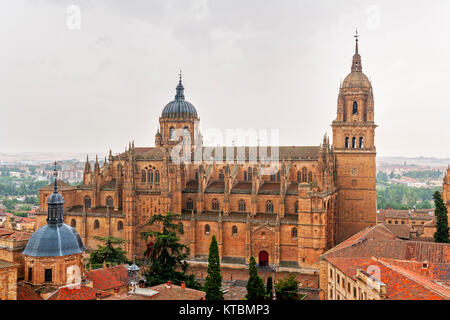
[
  {"x": 144, "y": 177},
  {"x": 171, "y": 133},
  {"x": 30, "y": 274},
  {"x": 242, "y": 205},
  {"x": 245, "y": 175},
  {"x": 250, "y": 174},
  {"x": 73, "y": 223},
  {"x": 294, "y": 233},
  {"x": 215, "y": 204},
  {"x": 299, "y": 176},
  {"x": 355, "y": 108},
  {"x": 278, "y": 176},
  {"x": 180, "y": 227},
  {"x": 310, "y": 176},
  {"x": 189, "y": 204},
  {"x": 361, "y": 142},
  {"x": 196, "y": 175},
  {"x": 150, "y": 176},
  {"x": 269, "y": 206},
  {"x": 119, "y": 225},
  {"x": 347, "y": 142},
  {"x": 221, "y": 175},
  {"x": 234, "y": 231},
  {"x": 272, "y": 177},
  {"x": 186, "y": 131},
  {"x": 304, "y": 174},
  {"x": 207, "y": 229},
  {"x": 296, "y": 206},
  {"x": 96, "y": 224},
  {"x": 48, "y": 277},
  {"x": 109, "y": 202},
  {"x": 157, "y": 177},
  {"x": 87, "y": 202},
  {"x": 353, "y": 142}
]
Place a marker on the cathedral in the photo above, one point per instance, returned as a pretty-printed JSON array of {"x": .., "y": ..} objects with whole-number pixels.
[{"x": 317, "y": 197}]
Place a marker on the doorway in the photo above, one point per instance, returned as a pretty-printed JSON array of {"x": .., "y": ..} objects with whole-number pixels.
[{"x": 263, "y": 258}]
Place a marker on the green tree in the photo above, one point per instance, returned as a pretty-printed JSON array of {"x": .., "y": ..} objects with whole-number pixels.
[
  {"x": 166, "y": 254},
  {"x": 287, "y": 288},
  {"x": 108, "y": 253},
  {"x": 255, "y": 285},
  {"x": 10, "y": 204},
  {"x": 213, "y": 284},
  {"x": 441, "y": 234},
  {"x": 269, "y": 288}
]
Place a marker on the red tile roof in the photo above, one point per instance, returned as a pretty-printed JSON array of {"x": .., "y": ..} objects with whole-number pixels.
[
  {"x": 12, "y": 234},
  {"x": 74, "y": 292},
  {"x": 399, "y": 286},
  {"x": 26, "y": 292},
  {"x": 108, "y": 278}
]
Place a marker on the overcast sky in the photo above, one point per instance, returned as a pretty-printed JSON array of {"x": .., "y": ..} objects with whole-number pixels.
[{"x": 246, "y": 64}]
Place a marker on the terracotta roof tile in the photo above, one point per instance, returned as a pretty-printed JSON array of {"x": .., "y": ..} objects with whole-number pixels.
[
  {"x": 26, "y": 292},
  {"x": 80, "y": 292},
  {"x": 108, "y": 278}
]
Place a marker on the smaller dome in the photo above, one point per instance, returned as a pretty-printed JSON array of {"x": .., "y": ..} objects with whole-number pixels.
[
  {"x": 356, "y": 79},
  {"x": 54, "y": 241},
  {"x": 55, "y": 198},
  {"x": 179, "y": 108}
]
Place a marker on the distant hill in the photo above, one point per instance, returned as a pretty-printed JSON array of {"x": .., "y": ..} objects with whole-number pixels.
[
  {"x": 40, "y": 157},
  {"x": 419, "y": 161}
]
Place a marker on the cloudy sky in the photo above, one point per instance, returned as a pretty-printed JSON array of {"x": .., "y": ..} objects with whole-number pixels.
[{"x": 90, "y": 75}]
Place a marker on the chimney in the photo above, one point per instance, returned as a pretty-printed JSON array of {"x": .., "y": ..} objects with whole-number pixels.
[
  {"x": 169, "y": 284},
  {"x": 98, "y": 295},
  {"x": 116, "y": 291},
  {"x": 183, "y": 285}
]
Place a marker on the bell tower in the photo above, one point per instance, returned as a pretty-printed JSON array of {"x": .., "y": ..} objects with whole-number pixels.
[{"x": 354, "y": 146}]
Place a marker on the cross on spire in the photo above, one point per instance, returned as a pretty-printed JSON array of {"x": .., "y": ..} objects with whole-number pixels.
[
  {"x": 55, "y": 174},
  {"x": 180, "y": 75},
  {"x": 356, "y": 36}
]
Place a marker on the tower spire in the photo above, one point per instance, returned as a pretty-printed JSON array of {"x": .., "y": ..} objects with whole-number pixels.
[
  {"x": 55, "y": 174},
  {"x": 180, "y": 89},
  {"x": 356, "y": 63}
]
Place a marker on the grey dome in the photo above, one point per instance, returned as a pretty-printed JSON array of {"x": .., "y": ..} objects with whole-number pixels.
[
  {"x": 54, "y": 240},
  {"x": 179, "y": 108}
]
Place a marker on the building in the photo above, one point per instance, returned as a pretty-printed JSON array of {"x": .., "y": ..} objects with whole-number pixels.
[
  {"x": 284, "y": 215},
  {"x": 8, "y": 280},
  {"x": 12, "y": 244},
  {"x": 111, "y": 280},
  {"x": 53, "y": 254},
  {"x": 416, "y": 219},
  {"x": 446, "y": 189},
  {"x": 375, "y": 264}
]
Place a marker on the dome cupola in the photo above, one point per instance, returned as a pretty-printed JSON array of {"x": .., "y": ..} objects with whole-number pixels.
[{"x": 179, "y": 108}]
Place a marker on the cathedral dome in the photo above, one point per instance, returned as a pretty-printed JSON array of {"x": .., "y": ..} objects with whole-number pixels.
[
  {"x": 55, "y": 239},
  {"x": 179, "y": 108},
  {"x": 356, "y": 79}
]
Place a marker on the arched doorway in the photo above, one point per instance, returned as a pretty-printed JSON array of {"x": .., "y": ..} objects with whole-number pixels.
[{"x": 263, "y": 258}]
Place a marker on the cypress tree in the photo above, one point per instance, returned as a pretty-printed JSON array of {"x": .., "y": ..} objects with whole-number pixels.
[
  {"x": 255, "y": 285},
  {"x": 269, "y": 288},
  {"x": 441, "y": 234},
  {"x": 213, "y": 284}
]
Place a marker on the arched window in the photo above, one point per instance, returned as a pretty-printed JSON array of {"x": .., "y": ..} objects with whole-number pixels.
[
  {"x": 87, "y": 202},
  {"x": 296, "y": 206},
  {"x": 171, "y": 133},
  {"x": 96, "y": 224},
  {"x": 189, "y": 204},
  {"x": 299, "y": 176},
  {"x": 157, "y": 177},
  {"x": 207, "y": 229},
  {"x": 215, "y": 204},
  {"x": 250, "y": 174},
  {"x": 310, "y": 176},
  {"x": 119, "y": 225},
  {"x": 304, "y": 174},
  {"x": 73, "y": 223},
  {"x": 245, "y": 175},
  {"x": 109, "y": 202},
  {"x": 353, "y": 142},
  {"x": 272, "y": 177},
  {"x": 234, "y": 231},
  {"x": 355, "y": 108},
  {"x": 269, "y": 206},
  {"x": 180, "y": 227},
  {"x": 294, "y": 233},
  {"x": 347, "y": 142},
  {"x": 150, "y": 176},
  {"x": 242, "y": 206},
  {"x": 361, "y": 142},
  {"x": 144, "y": 176},
  {"x": 221, "y": 175}
]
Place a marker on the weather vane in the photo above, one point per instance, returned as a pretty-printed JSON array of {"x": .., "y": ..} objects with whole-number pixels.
[
  {"x": 180, "y": 75},
  {"x": 55, "y": 172},
  {"x": 356, "y": 35}
]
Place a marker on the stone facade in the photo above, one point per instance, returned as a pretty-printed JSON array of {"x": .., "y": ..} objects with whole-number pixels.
[
  {"x": 316, "y": 196},
  {"x": 8, "y": 280}
]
